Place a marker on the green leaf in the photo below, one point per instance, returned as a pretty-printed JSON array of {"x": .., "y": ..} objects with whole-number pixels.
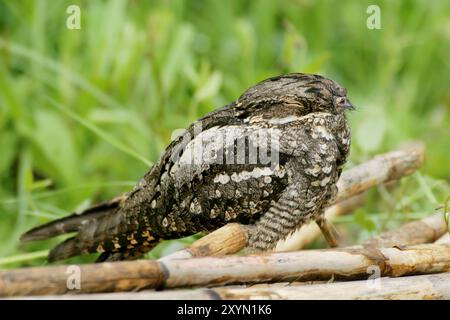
[{"x": 24, "y": 257}]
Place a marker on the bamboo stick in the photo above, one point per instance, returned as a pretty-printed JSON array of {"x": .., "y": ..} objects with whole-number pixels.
[
  {"x": 382, "y": 169},
  {"x": 344, "y": 263},
  {"x": 444, "y": 239},
  {"x": 434, "y": 286},
  {"x": 229, "y": 239},
  {"x": 426, "y": 287},
  {"x": 426, "y": 230},
  {"x": 182, "y": 294}
]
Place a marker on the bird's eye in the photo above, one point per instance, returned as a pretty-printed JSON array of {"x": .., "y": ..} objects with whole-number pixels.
[{"x": 341, "y": 100}]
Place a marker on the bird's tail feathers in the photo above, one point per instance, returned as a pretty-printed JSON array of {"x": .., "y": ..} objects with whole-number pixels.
[{"x": 73, "y": 222}]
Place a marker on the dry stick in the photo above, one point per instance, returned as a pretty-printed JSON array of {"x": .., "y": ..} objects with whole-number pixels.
[
  {"x": 344, "y": 263},
  {"x": 431, "y": 286},
  {"x": 191, "y": 294},
  {"x": 384, "y": 168},
  {"x": 444, "y": 239},
  {"x": 417, "y": 287},
  {"x": 425, "y": 230},
  {"x": 436, "y": 286}
]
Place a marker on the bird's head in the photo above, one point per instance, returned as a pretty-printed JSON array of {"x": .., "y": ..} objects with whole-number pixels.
[{"x": 313, "y": 93}]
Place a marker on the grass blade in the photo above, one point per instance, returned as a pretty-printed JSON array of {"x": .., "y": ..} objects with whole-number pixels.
[{"x": 102, "y": 134}]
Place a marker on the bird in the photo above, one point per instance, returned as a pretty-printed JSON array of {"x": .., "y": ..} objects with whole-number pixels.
[{"x": 269, "y": 160}]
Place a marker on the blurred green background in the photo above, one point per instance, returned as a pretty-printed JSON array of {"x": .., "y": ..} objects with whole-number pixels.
[{"x": 83, "y": 113}]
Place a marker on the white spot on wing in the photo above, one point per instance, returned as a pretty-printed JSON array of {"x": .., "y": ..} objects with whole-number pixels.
[
  {"x": 284, "y": 120},
  {"x": 325, "y": 181},
  {"x": 223, "y": 178}
]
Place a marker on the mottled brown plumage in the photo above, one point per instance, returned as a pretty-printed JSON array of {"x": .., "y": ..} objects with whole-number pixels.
[{"x": 270, "y": 160}]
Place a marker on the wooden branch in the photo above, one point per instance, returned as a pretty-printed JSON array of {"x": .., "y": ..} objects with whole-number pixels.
[
  {"x": 426, "y": 230},
  {"x": 435, "y": 286},
  {"x": 444, "y": 239},
  {"x": 229, "y": 239},
  {"x": 344, "y": 263},
  {"x": 183, "y": 294},
  {"x": 381, "y": 169},
  {"x": 432, "y": 286}
]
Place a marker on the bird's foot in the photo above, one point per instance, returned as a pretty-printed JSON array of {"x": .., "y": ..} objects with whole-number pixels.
[{"x": 329, "y": 232}]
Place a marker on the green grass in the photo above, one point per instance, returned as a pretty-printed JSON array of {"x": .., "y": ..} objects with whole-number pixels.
[{"x": 83, "y": 113}]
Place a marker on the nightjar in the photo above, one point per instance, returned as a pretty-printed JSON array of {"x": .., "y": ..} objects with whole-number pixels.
[{"x": 269, "y": 160}]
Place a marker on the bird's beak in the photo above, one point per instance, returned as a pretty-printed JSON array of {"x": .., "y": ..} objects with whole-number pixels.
[{"x": 348, "y": 105}]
